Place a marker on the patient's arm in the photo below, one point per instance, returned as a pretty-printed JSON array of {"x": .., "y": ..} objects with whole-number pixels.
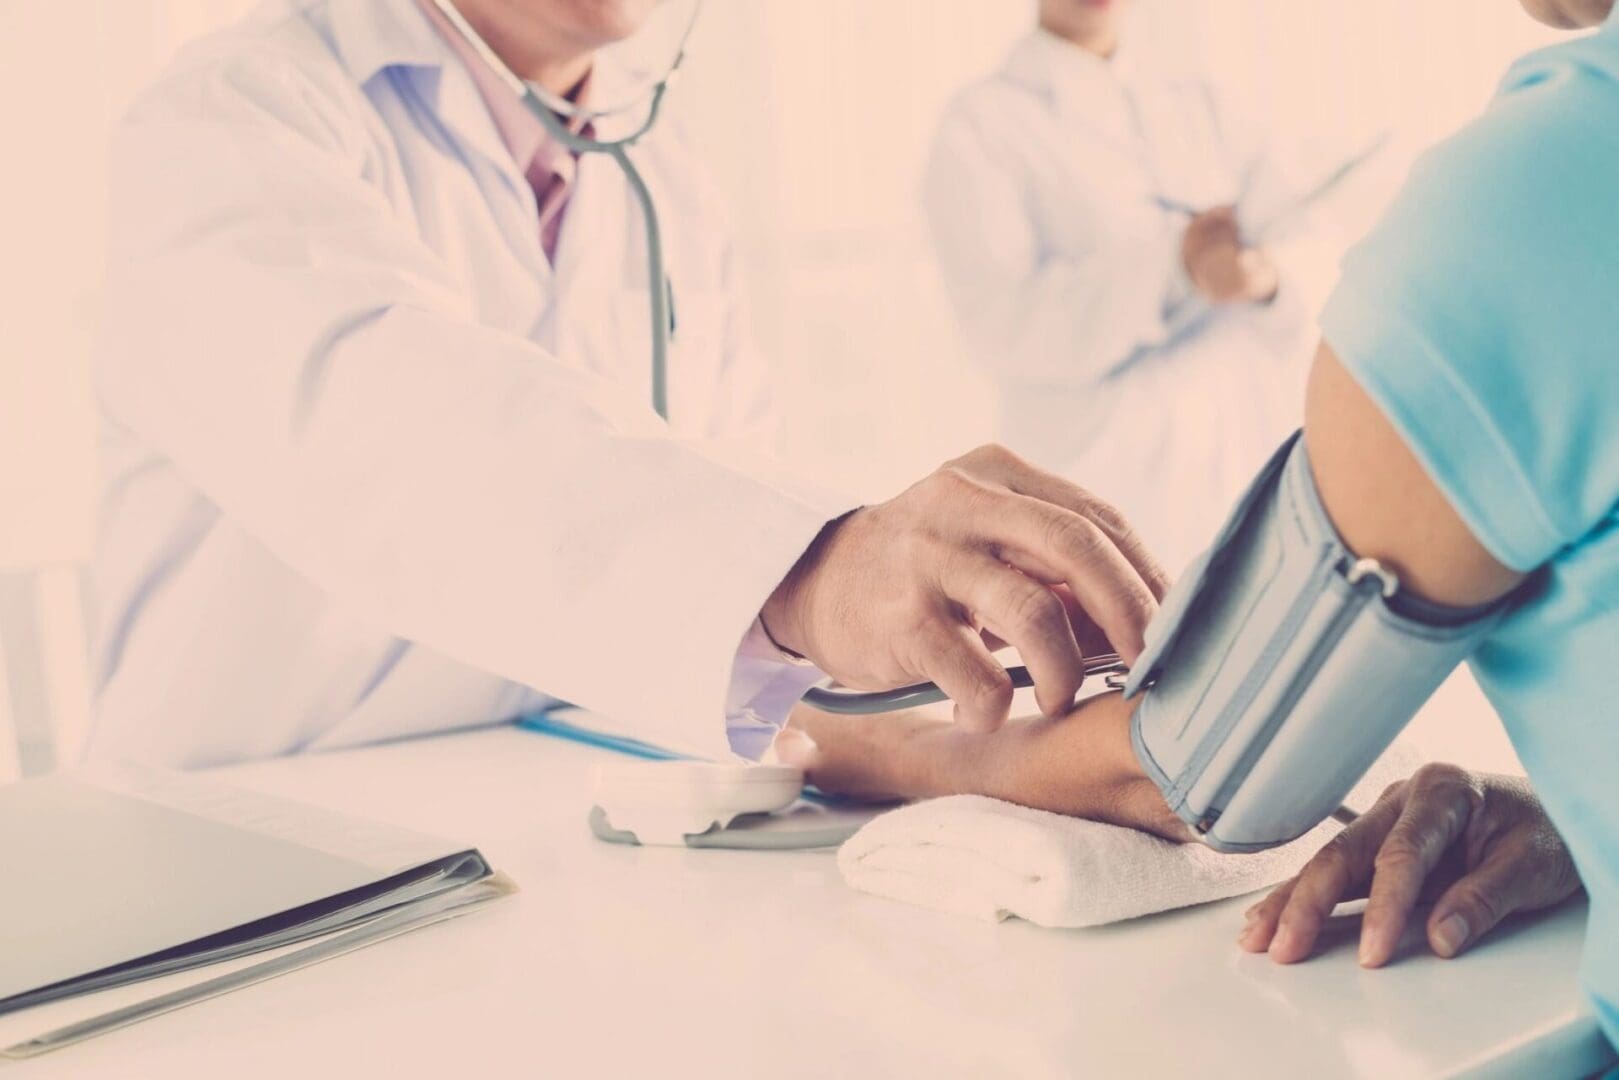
[
  {"x": 1080, "y": 764},
  {"x": 1381, "y": 501}
]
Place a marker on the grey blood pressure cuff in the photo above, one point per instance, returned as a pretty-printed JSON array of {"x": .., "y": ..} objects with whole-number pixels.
[{"x": 1280, "y": 667}]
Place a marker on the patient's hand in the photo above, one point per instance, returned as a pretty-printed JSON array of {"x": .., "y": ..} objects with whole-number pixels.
[
  {"x": 1479, "y": 843},
  {"x": 1079, "y": 764}
]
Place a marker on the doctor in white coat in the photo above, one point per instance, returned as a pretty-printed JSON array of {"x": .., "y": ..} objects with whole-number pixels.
[
  {"x": 1159, "y": 355},
  {"x": 379, "y": 453}
]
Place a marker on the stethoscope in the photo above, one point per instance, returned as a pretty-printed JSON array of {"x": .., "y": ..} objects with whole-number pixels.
[
  {"x": 549, "y": 109},
  {"x": 832, "y": 699}
]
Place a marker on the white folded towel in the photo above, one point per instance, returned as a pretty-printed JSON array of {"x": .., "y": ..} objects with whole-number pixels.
[{"x": 975, "y": 856}]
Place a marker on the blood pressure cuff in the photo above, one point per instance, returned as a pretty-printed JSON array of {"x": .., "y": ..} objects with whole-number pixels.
[{"x": 1280, "y": 667}]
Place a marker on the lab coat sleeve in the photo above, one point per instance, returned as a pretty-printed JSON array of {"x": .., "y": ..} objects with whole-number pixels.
[
  {"x": 1031, "y": 311},
  {"x": 288, "y": 341}
]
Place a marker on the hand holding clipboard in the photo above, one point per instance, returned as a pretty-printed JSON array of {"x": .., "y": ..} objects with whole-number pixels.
[{"x": 1290, "y": 212}]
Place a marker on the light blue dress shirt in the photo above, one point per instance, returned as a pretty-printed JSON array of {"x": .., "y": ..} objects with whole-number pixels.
[{"x": 1483, "y": 316}]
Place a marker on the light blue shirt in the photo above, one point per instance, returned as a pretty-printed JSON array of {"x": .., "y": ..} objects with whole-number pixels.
[{"x": 1483, "y": 316}]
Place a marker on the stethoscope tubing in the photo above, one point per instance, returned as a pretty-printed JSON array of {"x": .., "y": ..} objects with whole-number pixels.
[
  {"x": 862, "y": 703},
  {"x": 657, "y": 278},
  {"x": 658, "y": 290}
]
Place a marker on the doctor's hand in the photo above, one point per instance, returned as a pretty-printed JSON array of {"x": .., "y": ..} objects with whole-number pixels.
[
  {"x": 1220, "y": 267},
  {"x": 1478, "y": 845},
  {"x": 1079, "y": 764},
  {"x": 987, "y": 551}
]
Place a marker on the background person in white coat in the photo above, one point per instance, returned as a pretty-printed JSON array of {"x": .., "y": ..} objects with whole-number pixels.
[
  {"x": 1158, "y": 355},
  {"x": 379, "y": 453}
]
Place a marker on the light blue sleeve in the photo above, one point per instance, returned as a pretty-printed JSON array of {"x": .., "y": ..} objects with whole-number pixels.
[{"x": 1482, "y": 314}]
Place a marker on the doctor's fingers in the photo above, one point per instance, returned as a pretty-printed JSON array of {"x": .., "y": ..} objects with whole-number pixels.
[
  {"x": 1092, "y": 642},
  {"x": 1002, "y": 465},
  {"x": 1028, "y": 615},
  {"x": 1289, "y": 920},
  {"x": 950, "y": 653},
  {"x": 1055, "y": 544},
  {"x": 1440, "y": 803}
]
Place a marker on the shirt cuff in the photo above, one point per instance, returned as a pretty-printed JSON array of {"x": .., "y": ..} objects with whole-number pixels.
[{"x": 766, "y": 683}]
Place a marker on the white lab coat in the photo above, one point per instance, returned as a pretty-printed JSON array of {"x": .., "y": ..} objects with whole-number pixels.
[
  {"x": 373, "y": 466},
  {"x": 1066, "y": 276}
]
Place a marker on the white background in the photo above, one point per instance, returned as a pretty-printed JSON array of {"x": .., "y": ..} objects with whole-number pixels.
[{"x": 815, "y": 115}]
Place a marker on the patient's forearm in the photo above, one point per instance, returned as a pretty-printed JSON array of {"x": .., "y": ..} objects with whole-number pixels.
[
  {"x": 1382, "y": 501},
  {"x": 1080, "y": 764}
]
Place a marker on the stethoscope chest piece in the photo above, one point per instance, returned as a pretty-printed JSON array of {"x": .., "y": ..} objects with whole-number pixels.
[{"x": 697, "y": 804}]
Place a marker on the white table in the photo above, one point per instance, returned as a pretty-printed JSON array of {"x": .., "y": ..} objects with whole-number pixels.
[{"x": 636, "y": 961}]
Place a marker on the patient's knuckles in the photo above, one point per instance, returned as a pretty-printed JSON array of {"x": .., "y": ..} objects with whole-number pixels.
[
  {"x": 1449, "y": 785},
  {"x": 1509, "y": 802},
  {"x": 1399, "y": 857},
  {"x": 1436, "y": 773},
  {"x": 1335, "y": 861}
]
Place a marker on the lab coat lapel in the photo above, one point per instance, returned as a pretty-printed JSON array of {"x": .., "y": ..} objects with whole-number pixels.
[
  {"x": 1093, "y": 127},
  {"x": 511, "y": 281},
  {"x": 1086, "y": 91},
  {"x": 374, "y": 36},
  {"x": 1138, "y": 130},
  {"x": 466, "y": 118},
  {"x": 597, "y": 254}
]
